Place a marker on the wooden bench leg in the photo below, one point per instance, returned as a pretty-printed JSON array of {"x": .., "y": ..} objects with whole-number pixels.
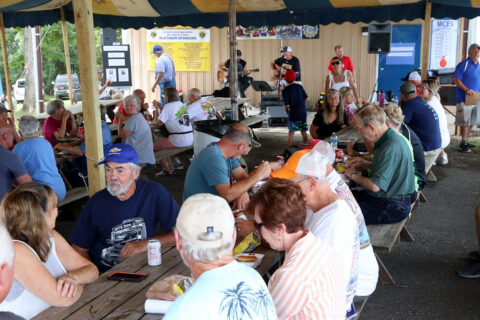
[
  {"x": 405, "y": 235},
  {"x": 422, "y": 197},
  {"x": 384, "y": 275}
]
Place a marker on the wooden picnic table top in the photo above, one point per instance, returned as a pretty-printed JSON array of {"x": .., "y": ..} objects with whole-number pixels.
[
  {"x": 78, "y": 109},
  {"x": 105, "y": 299}
]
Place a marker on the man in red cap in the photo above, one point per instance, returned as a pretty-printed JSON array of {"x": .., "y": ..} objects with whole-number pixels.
[{"x": 294, "y": 97}]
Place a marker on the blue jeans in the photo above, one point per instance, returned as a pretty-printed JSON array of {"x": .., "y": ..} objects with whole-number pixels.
[
  {"x": 383, "y": 211},
  {"x": 167, "y": 84}
]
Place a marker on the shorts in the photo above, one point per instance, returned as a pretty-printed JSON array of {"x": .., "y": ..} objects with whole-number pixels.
[
  {"x": 297, "y": 126},
  {"x": 466, "y": 116}
]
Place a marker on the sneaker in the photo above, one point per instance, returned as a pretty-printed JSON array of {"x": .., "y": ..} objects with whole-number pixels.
[
  {"x": 465, "y": 148},
  {"x": 164, "y": 173},
  {"x": 474, "y": 255},
  {"x": 444, "y": 159},
  {"x": 471, "y": 146},
  {"x": 472, "y": 272}
]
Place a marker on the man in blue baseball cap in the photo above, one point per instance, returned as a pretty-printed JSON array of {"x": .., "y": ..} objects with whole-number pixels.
[
  {"x": 118, "y": 222},
  {"x": 164, "y": 71}
]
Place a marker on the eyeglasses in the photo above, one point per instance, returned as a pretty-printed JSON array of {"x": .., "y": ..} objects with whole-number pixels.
[
  {"x": 258, "y": 226},
  {"x": 335, "y": 63}
]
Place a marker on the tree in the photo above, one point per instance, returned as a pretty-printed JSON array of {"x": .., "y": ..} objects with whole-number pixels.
[{"x": 29, "y": 100}]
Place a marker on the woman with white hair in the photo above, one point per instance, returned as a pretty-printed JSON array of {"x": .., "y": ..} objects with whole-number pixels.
[
  {"x": 38, "y": 157},
  {"x": 135, "y": 131}
]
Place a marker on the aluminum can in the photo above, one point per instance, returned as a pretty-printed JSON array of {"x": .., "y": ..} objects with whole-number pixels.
[
  {"x": 281, "y": 160},
  {"x": 154, "y": 253},
  {"x": 80, "y": 132}
]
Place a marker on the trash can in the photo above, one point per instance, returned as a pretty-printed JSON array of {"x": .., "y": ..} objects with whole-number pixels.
[{"x": 208, "y": 131}]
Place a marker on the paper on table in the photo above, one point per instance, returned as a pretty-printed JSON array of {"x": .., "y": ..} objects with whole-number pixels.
[{"x": 157, "y": 306}]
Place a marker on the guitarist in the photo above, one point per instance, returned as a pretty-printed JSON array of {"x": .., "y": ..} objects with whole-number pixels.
[
  {"x": 286, "y": 62},
  {"x": 243, "y": 78}
]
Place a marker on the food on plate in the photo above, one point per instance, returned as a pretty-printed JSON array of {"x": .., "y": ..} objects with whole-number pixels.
[{"x": 247, "y": 258}]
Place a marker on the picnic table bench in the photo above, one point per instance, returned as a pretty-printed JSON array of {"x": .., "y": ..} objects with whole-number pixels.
[{"x": 105, "y": 299}]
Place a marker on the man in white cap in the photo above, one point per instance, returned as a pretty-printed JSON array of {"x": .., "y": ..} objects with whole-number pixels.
[
  {"x": 414, "y": 77},
  {"x": 223, "y": 288},
  {"x": 286, "y": 62}
]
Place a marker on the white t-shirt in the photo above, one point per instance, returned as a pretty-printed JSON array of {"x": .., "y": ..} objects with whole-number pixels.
[
  {"x": 177, "y": 120},
  {"x": 337, "y": 226},
  {"x": 201, "y": 110},
  {"x": 442, "y": 120},
  {"x": 232, "y": 291},
  {"x": 367, "y": 263}
]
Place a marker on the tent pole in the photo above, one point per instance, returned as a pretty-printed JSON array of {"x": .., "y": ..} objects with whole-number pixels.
[
  {"x": 232, "y": 24},
  {"x": 67, "y": 54},
  {"x": 427, "y": 26},
  {"x": 8, "y": 84},
  {"x": 83, "y": 13}
]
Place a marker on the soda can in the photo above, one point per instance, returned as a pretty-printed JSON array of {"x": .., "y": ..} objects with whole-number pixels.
[
  {"x": 280, "y": 159},
  {"x": 80, "y": 132},
  {"x": 154, "y": 253}
]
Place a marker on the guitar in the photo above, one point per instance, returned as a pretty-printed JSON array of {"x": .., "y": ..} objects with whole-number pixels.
[
  {"x": 222, "y": 73},
  {"x": 281, "y": 71}
]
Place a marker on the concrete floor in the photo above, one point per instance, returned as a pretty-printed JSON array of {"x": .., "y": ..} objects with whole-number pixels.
[{"x": 443, "y": 228}]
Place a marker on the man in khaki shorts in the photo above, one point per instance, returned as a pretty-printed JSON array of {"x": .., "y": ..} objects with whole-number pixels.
[{"x": 467, "y": 80}]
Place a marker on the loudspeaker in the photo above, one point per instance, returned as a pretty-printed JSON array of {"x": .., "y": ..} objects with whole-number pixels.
[
  {"x": 109, "y": 36},
  {"x": 379, "y": 37}
]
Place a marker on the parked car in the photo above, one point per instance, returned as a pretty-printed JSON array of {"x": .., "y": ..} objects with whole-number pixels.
[
  {"x": 19, "y": 90},
  {"x": 60, "y": 88}
]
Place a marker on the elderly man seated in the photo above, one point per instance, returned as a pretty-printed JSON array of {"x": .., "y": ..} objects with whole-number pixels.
[
  {"x": 216, "y": 170},
  {"x": 60, "y": 123},
  {"x": 38, "y": 157},
  {"x": 386, "y": 198},
  {"x": 12, "y": 168},
  {"x": 128, "y": 206},
  {"x": 198, "y": 108},
  {"x": 224, "y": 288},
  {"x": 423, "y": 119}
]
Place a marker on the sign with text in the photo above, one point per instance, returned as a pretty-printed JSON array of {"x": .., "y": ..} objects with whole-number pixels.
[
  {"x": 189, "y": 48},
  {"x": 116, "y": 65},
  {"x": 443, "y": 45},
  {"x": 401, "y": 53}
]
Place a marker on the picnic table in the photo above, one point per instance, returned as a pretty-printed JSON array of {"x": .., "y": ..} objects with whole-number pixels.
[
  {"x": 78, "y": 108},
  {"x": 105, "y": 299}
]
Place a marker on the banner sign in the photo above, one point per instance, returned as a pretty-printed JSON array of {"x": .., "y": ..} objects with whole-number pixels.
[
  {"x": 278, "y": 32},
  {"x": 189, "y": 48},
  {"x": 443, "y": 45}
]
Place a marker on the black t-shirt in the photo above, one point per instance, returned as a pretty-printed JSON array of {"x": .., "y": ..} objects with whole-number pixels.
[
  {"x": 326, "y": 130},
  {"x": 240, "y": 66},
  {"x": 294, "y": 62},
  {"x": 418, "y": 155}
]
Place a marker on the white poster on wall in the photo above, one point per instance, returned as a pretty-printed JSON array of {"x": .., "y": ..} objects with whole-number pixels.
[{"x": 443, "y": 45}]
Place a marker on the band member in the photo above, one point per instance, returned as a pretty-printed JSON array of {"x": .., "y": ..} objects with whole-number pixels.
[
  {"x": 286, "y": 62},
  {"x": 243, "y": 78}
]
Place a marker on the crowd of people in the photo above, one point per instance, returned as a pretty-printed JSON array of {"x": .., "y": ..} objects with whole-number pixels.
[{"x": 305, "y": 207}]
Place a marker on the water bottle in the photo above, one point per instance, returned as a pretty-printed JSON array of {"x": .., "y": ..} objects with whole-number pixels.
[
  {"x": 334, "y": 141},
  {"x": 395, "y": 100}
]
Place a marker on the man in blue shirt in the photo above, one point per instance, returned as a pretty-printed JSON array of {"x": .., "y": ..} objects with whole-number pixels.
[
  {"x": 118, "y": 222},
  {"x": 164, "y": 71},
  {"x": 423, "y": 120},
  {"x": 467, "y": 80},
  {"x": 216, "y": 170}
]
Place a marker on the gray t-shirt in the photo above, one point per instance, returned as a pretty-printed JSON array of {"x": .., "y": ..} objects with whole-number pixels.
[{"x": 140, "y": 138}]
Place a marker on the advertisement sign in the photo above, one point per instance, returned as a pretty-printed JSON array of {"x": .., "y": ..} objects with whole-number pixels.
[
  {"x": 189, "y": 48},
  {"x": 443, "y": 45}
]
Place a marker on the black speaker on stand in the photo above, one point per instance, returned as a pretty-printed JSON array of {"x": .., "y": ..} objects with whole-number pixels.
[{"x": 379, "y": 37}]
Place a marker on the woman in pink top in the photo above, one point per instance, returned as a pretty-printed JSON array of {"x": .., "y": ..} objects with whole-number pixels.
[{"x": 310, "y": 283}]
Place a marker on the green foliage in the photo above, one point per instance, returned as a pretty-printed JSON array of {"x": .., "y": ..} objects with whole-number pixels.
[{"x": 53, "y": 57}]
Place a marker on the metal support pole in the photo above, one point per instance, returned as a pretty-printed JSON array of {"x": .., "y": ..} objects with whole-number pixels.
[
  {"x": 8, "y": 84},
  {"x": 232, "y": 23}
]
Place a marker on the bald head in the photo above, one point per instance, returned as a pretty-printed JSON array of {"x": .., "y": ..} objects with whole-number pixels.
[{"x": 140, "y": 95}]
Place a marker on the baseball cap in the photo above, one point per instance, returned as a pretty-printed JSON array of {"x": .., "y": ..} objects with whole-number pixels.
[
  {"x": 473, "y": 46},
  {"x": 239, "y": 53},
  {"x": 206, "y": 221},
  {"x": 305, "y": 162},
  {"x": 3, "y": 108},
  {"x": 157, "y": 48},
  {"x": 408, "y": 88},
  {"x": 414, "y": 76},
  {"x": 286, "y": 49},
  {"x": 121, "y": 153},
  {"x": 290, "y": 76}
]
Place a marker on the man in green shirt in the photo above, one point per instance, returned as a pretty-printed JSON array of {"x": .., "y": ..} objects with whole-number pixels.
[{"x": 392, "y": 180}]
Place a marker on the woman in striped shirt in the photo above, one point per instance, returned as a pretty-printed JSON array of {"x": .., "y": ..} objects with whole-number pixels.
[{"x": 310, "y": 283}]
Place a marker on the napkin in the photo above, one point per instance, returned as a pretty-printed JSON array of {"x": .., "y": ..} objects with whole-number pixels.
[{"x": 157, "y": 306}]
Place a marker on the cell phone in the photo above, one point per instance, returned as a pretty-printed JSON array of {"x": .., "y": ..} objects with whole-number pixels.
[{"x": 127, "y": 276}]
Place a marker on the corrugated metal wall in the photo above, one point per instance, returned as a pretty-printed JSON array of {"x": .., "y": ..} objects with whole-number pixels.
[{"x": 314, "y": 56}]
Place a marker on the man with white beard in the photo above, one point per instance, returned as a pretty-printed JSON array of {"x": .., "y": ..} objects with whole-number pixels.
[{"x": 118, "y": 222}]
